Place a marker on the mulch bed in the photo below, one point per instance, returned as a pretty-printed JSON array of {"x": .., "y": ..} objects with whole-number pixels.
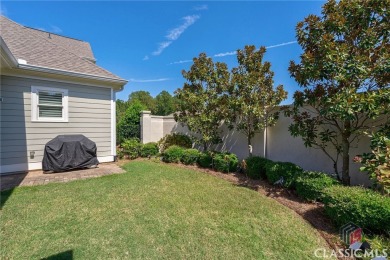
[{"x": 313, "y": 213}]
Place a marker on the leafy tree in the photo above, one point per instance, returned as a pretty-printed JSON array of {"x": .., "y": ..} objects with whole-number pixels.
[
  {"x": 144, "y": 98},
  {"x": 165, "y": 104},
  {"x": 344, "y": 71},
  {"x": 129, "y": 125},
  {"x": 254, "y": 99},
  {"x": 121, "y": 107},
  {"x": 202, "y": 102},
  {"x": 377, "y": 162}
]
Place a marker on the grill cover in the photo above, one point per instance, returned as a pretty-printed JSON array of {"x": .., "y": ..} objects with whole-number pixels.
[{"x": 69, "y": 152}]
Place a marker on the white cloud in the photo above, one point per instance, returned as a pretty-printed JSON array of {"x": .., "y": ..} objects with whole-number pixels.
[
  {"x": 55, "y": 29},
  {"x": 146, "y": 57},
  {"x": 161, "y": 48},
  {"x": 3, "y": 10},
  {"x": 281, "y": 44},
  {"x": 201, "y": 7},
  {"x": 225, "y": 54},
  {"x": 175, "y": 33},
  {"x": 148, "y": 80},
  {"x": 180, "y": 62},
  {"x": 230, "y": 53}
]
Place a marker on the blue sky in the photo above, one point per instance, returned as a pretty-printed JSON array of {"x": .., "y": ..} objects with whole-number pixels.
[{"x": 150, "y": 43}]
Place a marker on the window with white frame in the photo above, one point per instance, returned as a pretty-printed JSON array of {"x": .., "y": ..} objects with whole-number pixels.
[{"x": 49, "y": 104}]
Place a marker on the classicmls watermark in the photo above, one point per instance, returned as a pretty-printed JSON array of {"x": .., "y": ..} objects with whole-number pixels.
[
  {"x": 352, "y": 235},
  {"x": 349, "y": 253}
]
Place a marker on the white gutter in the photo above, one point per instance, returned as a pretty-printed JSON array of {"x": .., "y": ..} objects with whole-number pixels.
[
  {"x": 11, "y": 57},
  {"x": 71, "y": 73}
]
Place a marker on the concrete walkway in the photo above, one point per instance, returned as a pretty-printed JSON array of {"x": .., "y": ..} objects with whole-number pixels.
[{"x": 39, "y": 178}]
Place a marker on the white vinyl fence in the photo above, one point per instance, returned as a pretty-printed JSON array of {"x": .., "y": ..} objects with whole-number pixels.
[{"x": 274, "y": 143}]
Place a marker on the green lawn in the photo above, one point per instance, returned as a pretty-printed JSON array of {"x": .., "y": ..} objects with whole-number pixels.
[{"x": 152, "y": 211}]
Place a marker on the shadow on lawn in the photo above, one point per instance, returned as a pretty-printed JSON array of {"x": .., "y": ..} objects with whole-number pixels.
[
  {"x": 313, "y": 213},
  {"x": 66, "y": 255},
  {"x": 7, "y": 185}
]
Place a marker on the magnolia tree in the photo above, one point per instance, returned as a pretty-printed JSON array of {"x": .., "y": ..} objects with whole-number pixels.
[
  {"x": 377, "y": 162},
  {"x": 344, "y": 72},
  {"x": 202, "y": 101},
  {"x": 254, "y": 99}
]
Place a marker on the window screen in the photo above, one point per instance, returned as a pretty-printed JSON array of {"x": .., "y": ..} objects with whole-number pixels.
[{"x": 50, "y": 104}]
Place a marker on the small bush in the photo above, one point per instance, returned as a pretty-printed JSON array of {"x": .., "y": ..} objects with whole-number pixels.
[
  {"x": 119, "y": 153},
  {"x": 289, "y": 171},
  {"x": 225, "y": 162},
  {"x": 255, "y": 167},
  {"x": 175, "y": 139},
  {"x": 131, "y": 148},
  {"x": 173, "y": 154},
  {"x": 205, "y": 160},
  {"x": 190, "y": 156},
  {"x": 363, "y": 207},
  {"x": 310, "y": 185},
  {"x": 149, "y": 149}
]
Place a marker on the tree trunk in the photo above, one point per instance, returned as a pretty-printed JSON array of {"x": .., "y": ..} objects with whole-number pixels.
[
  {"x": 205, "y": 147},
  {"x": 336, "y": 170},
  {"x": 345, "y": 149}
]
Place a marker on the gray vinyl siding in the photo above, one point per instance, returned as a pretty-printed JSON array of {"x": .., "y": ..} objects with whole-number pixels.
[{"x": 89, "y": 111}]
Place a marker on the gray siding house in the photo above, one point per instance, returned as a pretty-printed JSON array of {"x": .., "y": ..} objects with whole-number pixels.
[{"x": 50, "y": 85}]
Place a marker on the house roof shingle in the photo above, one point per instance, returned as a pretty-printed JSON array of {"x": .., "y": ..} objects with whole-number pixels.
[
  {"x": 58, "y": 53},
  {"x": 78, "y": 47}
]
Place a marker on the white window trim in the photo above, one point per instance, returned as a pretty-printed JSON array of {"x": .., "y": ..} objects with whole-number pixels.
[{"x": 34, "y": 104}]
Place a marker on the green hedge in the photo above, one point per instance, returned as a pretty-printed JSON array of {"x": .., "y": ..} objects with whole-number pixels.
[
  {"x": 131, "y": 147},
  {"x": 173, "y": 154},
  {"x": 363, "y": 207},
  {"x": 190, "y": 156},
  {"x": 310, "y": 185},
  {"x": 178, "y": 139},
  {"x": 205, "y": 160},
  {"x": 149, "y": 149},
  {"x": 289, "y": 171},
  {"x": 225, "y": 162},
  {"x": 255, "y": 167}
]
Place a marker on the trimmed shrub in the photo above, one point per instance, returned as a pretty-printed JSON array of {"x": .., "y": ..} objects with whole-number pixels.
[
  {"x": 173, "y": 154},
  {"x": 225, "y": 162},
  {"x": 190, "y": 156},
  {"x": 255, "y": 167},
  {"x": 363, "y": 207},
  {"x": 275, "y": 171},
  {"x": 131, "y": 148},
  {"x": 310, "y": 185},
  {"x": 149, "y": 149},
  {"x": 205, "y": 160},
  {"x": 175, "y": 139},
  {"x": 119, "y": 153}
]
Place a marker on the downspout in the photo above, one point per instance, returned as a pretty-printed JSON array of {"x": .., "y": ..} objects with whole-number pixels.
[
  {"x": 265, "y": 146},
  {"x": 265, "y": 143},
  {"x": 113, "y": 121}
]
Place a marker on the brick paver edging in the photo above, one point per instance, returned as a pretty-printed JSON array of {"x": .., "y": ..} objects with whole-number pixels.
[{"x": 33, "y": 178}]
